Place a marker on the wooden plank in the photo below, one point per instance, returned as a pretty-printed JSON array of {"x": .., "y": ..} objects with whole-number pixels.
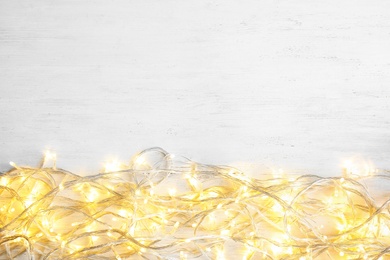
[{"x": 292, "y": 84}]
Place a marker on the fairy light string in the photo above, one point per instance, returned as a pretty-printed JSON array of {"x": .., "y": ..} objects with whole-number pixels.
[{"x": 160, "y": 206}]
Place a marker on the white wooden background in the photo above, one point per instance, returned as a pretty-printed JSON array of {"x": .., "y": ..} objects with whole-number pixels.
[{"x": 298, "y": 84}]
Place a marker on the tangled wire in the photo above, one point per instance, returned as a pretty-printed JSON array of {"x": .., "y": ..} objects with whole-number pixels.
[{"x": 163, "y": 207}]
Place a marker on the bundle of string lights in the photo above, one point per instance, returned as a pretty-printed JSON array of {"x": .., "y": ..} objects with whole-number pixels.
[{"x": 160, "y": 206}]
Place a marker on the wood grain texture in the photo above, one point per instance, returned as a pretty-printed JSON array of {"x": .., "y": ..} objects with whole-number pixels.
[{"x": 297, "y": 84}]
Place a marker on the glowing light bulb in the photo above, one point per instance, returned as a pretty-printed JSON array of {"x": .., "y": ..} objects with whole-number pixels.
[
  {"x": 132, "y": 230},
  {"x": 220, "y": 255},
  {"x": 29, "y": 201},
  {"x": 112, "y": 166},
  {"x": 358, "y": 167},
  {"x": 348, "y": 166},
  {"x": 50, "y": 155},
  {"x": 287, "y": 198},
  {"x": 140, "y": 160},
  {"x": 277, "y": 207},
  {"x": 342, "y": 227},
  {"x": 172, "y": 192},
  {"x": 3, "y": 181},
  {"x": 279, "y": 173},
  {"x": 123, "y": 213},
  {"x": 13, "y": 164},
  {"x": 92, "y": 195},
  {"x": 49, "y": 158},
  {"x": 225, "y": 232},
  {"x": 276, "y": 249}
]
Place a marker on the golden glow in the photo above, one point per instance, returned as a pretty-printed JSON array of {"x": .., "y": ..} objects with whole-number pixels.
[
  {"x": 112, "y": 166},
  {"x": 358, "y": 167},
  {"x": 183, "y": 210},
  {"x": 49, "y": 159},
  {"x": 172, "y": 192}
]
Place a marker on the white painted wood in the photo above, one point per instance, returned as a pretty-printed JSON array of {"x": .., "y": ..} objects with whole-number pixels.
[{"x": 296, "y": 84}]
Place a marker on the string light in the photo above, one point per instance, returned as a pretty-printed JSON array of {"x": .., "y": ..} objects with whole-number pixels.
[{"x": 165, "y": 207}]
